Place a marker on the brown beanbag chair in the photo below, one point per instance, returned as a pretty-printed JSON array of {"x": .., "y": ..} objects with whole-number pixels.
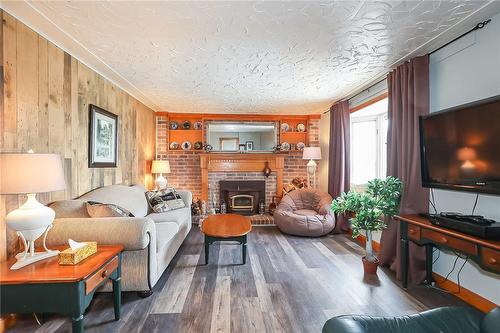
[{"x": 305, "y": 212}]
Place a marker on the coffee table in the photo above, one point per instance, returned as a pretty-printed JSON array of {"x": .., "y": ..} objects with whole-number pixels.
[
  {"x": 47, "y": 287},
  {"x": 226, "y": 227}
]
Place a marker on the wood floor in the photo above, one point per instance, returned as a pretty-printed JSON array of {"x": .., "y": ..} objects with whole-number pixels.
[{"x": 289, "y": 284}]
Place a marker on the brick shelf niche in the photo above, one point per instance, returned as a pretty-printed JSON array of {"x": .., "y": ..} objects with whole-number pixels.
[{"x": 186, "y": 172}]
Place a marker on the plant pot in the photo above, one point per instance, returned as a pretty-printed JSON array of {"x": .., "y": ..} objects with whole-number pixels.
[{"x": 370, "y": 267}]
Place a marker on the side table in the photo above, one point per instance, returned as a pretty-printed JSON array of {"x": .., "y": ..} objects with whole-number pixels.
[{"x": 47, "y": 287}]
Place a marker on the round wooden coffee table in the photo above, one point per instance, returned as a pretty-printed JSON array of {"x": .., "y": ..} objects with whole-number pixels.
[{"x": 226, "y": 227}]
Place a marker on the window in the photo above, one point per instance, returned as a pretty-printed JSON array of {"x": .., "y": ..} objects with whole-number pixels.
[{"x": 369, "y": 143}]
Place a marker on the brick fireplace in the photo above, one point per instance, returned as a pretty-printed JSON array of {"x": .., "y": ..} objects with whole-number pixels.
[{"x": 187, "y": 173}]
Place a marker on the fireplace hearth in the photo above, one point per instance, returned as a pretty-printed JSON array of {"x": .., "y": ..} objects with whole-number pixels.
[{"x": 242, "y": 196}]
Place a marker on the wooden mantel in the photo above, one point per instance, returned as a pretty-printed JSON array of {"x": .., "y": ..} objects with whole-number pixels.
[{"x": 240, "y": 162}]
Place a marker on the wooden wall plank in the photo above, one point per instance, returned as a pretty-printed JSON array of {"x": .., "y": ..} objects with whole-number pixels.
[
  {"x": 3, "y": 239},
  {"x": 46, "y": 95},
  {"x": 1, "y": 80},
  {"x": 9, "y": 48},
  {"x": 43, "y": 96},
  {"x": 27, "y": 88}
]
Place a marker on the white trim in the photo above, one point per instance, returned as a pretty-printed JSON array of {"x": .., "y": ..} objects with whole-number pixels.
[
  {"x": 368, "y": 94},
  {"x": 37, "y": 21},
  {"x": 379, "y": 173}
]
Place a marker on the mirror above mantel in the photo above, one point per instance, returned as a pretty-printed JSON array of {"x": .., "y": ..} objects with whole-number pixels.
[{"x": 232, "y": 136}]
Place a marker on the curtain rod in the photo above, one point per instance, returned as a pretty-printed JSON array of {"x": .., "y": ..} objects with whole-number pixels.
[
  {"x": 366, "y": 89},
  {"x": 476, "y": 27}
]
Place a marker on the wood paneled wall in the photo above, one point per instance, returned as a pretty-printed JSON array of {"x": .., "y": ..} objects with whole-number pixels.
[{"x": 45, "y": 97}]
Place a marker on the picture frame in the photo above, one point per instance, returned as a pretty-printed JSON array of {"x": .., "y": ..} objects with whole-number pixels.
[
  {"x": 242, "y": 147},
  {"x": 103, "y": 138},
  {"x": 249, "y": 145}
]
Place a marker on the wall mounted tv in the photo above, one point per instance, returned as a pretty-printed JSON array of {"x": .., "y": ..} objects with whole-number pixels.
[{"x": 460, "y": 147}]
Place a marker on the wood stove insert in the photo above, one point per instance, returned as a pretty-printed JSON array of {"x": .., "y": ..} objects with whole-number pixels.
[{"x": 242, "y": 196}]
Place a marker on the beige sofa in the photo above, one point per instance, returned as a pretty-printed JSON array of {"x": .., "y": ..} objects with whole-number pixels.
[{"x": 150, "y": 239}]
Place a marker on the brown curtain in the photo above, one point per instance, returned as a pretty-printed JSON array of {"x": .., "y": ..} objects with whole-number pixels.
[
  {"x": 408, "y": 98},
  {"x": 339, "y": 159}
]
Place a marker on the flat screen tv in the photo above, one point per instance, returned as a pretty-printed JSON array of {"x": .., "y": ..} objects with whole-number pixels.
[{"x": 460, "y": 147}]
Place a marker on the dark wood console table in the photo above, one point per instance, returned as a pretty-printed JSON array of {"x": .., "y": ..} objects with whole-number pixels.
[
  {"x": 47, "y": 287},
  {"x": 418, "y": 229}
]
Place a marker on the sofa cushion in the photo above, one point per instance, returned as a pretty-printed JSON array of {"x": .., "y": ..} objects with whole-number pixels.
[
  {"x": 165, "y": 231},
  {"x": 97, "y": 209},
  {"x": 443, "y": 320},
  {"x": 69, "y": 208},
  {"x": 178, "y": 216},
  {"x": 131, "y": 198},
  {"x": 491, "y": 321},
  {"x": 165, "y": 200}
]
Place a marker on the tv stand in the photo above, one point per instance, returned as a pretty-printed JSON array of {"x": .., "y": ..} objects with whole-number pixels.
[{"x": 418, "y": 229}]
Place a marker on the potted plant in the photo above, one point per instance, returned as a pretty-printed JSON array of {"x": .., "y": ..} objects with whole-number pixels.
[{"x": 367, "y": 209}]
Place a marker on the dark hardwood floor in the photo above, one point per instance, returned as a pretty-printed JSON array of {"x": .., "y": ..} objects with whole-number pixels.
[{"x": 289, "y": 284}]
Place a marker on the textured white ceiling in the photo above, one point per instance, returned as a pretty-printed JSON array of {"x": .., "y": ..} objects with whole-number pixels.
[{"x": 252, "y": 57}]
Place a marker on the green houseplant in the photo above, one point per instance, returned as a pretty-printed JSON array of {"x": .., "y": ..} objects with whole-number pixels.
[{"x": 368, "y": 208}]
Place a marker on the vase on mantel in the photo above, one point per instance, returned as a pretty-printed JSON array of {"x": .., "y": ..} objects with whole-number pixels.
[{"x": 267, "y": 170}]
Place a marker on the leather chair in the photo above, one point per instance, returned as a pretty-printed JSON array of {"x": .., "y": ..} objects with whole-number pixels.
[
  {"x": 305, "y": 212},
  {"x": 440, "y": 320}
]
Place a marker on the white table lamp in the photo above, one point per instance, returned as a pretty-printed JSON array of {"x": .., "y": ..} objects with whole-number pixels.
[
  {"x": 30, "y": 174},
  {"x": 160, "y": 167},
  {"x": 311, "y": 154}
]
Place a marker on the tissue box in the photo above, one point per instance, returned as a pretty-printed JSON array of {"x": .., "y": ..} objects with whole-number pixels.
[{"x": 73, "y": 257}]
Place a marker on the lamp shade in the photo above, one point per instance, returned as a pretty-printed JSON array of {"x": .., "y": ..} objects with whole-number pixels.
[
  {"x": 31, "y": 173},
  {"x": 160, "y": 166},
  {"x": 312, "y": 153}
]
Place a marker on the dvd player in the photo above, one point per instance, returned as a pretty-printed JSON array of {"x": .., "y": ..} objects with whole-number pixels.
[{"x": 471, "y": 225}]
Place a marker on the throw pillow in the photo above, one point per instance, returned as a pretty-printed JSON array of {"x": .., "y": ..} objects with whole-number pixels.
[
  {"x": 97, "y": 209},
  {"x": 164, "y": 200}
]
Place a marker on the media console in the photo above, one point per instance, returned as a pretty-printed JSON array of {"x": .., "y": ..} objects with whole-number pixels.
[{"x": 418, "y": 229}]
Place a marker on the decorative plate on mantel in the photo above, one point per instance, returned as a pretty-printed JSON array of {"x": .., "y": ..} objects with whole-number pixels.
[
  {"x": 174, "y": 125},
  {"x": 174, "y": 145},
  {"x": 285, "y": 146},
  {"x": 300, "y": 145},
  {"x": 285, "y": 127},
  {"x": 186, "y": 145},
  {"x": 198, "y": 125},
  {"x": 301, "y": 127}
]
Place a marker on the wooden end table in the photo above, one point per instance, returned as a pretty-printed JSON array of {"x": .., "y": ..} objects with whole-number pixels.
[
  {"x": 47, "y": 287},
  {"x": 226, "y": 227}
]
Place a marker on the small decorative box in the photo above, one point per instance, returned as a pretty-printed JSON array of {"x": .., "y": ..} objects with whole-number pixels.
[{"x": 73, "y": 257}]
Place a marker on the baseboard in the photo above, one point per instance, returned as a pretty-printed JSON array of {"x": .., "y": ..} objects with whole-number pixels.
[{"x": 464, "y": 294}]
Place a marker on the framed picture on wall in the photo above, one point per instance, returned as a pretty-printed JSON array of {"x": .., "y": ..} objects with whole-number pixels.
[
  {"x": 103, "y": 138},
  {"x": 249, "y": 145}
]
